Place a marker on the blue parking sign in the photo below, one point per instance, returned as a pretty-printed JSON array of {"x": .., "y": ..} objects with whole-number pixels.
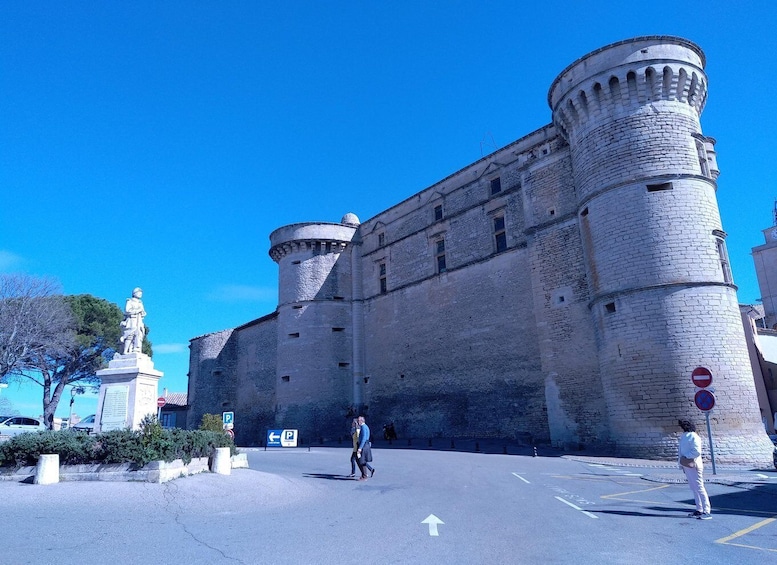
[{"x": 228, "y": 417}]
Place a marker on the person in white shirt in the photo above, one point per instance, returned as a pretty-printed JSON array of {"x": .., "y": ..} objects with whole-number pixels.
[{"x": 689, "y": 459}]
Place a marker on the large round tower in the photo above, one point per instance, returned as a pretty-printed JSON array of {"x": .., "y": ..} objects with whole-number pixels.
[
  {"x": 662, "y": 298},
  {"x": 315, "y": 357}
]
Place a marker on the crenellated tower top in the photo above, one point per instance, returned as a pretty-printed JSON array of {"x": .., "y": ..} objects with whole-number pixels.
[{"x": 624, "y": 76}]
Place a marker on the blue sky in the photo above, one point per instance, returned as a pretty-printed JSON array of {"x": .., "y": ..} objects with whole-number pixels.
[{"x": 157, "y": 144}]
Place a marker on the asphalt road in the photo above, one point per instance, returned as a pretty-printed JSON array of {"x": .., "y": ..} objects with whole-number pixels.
[{"x": 298, "y": 506}]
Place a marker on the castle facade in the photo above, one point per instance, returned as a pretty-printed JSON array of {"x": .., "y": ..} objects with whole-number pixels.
[{"x": 560, "y": 290}]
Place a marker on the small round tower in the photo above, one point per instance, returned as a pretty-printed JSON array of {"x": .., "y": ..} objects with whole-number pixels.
[
  {"x": 314, "y": 364},
  {"x": 662, "y": 298}
]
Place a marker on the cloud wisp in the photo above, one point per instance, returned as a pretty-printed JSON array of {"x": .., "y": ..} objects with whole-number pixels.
[
  {"x": 242, "y": 293},
  {"x": 9, "y": 260}
]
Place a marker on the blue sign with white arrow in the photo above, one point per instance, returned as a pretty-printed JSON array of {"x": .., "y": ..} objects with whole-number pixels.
[{"x": 274, "y": 438}]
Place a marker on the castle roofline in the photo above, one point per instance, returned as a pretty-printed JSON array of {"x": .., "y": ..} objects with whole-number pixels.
[
  {"x": 241, "y": 327},
  {"x": 662, "y": 38},
  {"x": 543, "y": 130}
]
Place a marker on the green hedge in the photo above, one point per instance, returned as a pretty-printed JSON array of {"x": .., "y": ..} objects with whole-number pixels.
[{"x": 150, "y": 443}]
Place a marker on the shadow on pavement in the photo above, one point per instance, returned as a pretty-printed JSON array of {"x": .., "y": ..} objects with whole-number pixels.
[{"x": 328, "y": 476}]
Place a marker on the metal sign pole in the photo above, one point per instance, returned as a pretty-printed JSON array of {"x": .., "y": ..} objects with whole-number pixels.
[{"x": 712, "y": 449}]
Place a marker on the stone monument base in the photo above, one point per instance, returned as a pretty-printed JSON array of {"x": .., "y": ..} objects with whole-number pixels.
[{"x": 128, "y": 392}]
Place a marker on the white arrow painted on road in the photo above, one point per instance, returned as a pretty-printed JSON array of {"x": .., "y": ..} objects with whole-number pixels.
[{"x": 433, "y": 520}]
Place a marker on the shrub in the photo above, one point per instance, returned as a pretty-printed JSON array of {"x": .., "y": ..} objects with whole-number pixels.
[
  {"x": 150, "y": 443},
  {"x": 73, "y": 448},
  {"x": 212, "y": 423}
]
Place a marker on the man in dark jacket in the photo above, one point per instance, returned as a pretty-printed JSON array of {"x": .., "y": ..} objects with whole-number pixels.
[{"x": 364, "y": 452}]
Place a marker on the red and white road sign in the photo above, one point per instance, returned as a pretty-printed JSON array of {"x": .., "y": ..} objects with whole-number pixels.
[
  {"x": 701, "y": 377},
  {"x": 704, "y": 400},
  {"x": 230, "y": 433},
  {"x": 161, "y": 401}
]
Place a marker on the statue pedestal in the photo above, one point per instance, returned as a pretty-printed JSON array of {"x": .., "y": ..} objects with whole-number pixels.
[{"x": 128, "y": 392}]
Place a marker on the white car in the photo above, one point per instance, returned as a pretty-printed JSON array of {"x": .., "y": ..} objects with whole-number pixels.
[
  {"x": 15, "y": 425},
  {"x": 85, "y": 425}
]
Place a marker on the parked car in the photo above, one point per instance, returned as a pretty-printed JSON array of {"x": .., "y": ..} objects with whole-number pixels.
[
  {"x": 15, "y": 425},
  {"x": 85, "y": 425}
]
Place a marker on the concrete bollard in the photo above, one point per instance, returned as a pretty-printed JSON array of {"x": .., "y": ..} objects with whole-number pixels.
[
  {"x": 222, "y": 461},
  {"x": 47, "y": 469}
]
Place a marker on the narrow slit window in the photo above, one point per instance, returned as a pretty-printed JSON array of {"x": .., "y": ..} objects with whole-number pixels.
[
  {"x": 496, "y": 185},
  {"x": 659, "y": 187},
  {"x": 294, "y": 334},
  {"x": 381, "y": 239},
  {"x": 338, "y": 329},
  {"x": 438, "y": 213},
  {"x": 725, "y": 265},
  {"x": 440, "y": 256},
  {"x": 382, "y": 278},
  {"x": 610, "y": 307},
  {"x": 500, "y": 235}
]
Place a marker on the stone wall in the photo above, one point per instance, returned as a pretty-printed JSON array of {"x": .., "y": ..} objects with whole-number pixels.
[{"x": 579, "y": 328}]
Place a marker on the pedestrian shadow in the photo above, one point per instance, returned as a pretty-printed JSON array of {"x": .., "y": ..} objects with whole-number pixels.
[
  {"x": 658, "y": 512},
  {"x": 327, "y": 476}
]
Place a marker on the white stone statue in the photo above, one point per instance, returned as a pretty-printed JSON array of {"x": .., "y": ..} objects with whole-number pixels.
[{"x": 133, "y": 328}]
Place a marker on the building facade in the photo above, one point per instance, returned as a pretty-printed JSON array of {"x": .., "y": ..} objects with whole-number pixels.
[{"x": 560, "y": 290}]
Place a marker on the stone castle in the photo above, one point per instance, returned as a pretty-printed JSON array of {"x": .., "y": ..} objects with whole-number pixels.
[{"x": 560, "y": 290}]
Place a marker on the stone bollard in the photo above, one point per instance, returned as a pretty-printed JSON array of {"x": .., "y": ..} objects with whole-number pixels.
[
  {"x": 222, "y": 461},
  {"x": 47, "y": 469}
]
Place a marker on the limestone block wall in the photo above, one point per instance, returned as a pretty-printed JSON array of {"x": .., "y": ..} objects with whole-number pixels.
[
  {"x": 255, "y": 379},
  {"x": 212, "y": 364},
  {"x": 314, "y": 385},
  {"x": 457, "y": 355},
  {"x": 584, "y": 277},
  {"x": 653, "y": 244},
  {"x": 577, "y": 414}
]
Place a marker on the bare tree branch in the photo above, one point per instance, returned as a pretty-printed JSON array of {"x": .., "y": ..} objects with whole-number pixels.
[{"x": 34, "y": 320}]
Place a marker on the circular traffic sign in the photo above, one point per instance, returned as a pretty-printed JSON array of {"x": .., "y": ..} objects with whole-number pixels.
[
  {"x": 704, "y": 400},
  {"x": 701, "y": 377},
  {"x": 161, "y": 401},
  {"x": 230, "y": 433}
]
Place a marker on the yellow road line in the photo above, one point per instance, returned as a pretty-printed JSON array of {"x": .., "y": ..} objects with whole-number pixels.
[
  {"x": 740, "y": 533},
  {"x": 634, "y": 491}
]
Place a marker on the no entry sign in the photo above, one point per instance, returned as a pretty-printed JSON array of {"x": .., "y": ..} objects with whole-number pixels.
[
  {"x": 701, "y": 377},
  {"x": 161, "y": 401}
]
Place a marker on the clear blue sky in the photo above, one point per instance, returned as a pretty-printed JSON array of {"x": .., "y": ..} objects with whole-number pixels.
[{"x": 157, "y": 144}]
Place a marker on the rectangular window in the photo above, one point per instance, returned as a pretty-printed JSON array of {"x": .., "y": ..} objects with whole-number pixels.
[
  {"x": 659, "y": 187},
  {"x": 382, "y": 280},
  {"x": 438, "y": 213},
  {"x": 381, "y": 239},
  {"x": 724, "y": 262},
  {"x": 500, "y": 235},
  {"x": 496, "y": 186},
  {"x": 440, "y": 255},
  {"x": 168, "y": 420}
]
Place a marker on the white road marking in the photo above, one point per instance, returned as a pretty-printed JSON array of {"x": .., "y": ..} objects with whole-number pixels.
[
  {"x": 432, "y": 520},
  {"x": 520, "y": 477},
  {"x": 576, "y": 507}
]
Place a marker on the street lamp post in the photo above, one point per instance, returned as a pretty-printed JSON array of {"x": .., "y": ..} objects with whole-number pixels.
[{"x": 73, "y": 391}]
